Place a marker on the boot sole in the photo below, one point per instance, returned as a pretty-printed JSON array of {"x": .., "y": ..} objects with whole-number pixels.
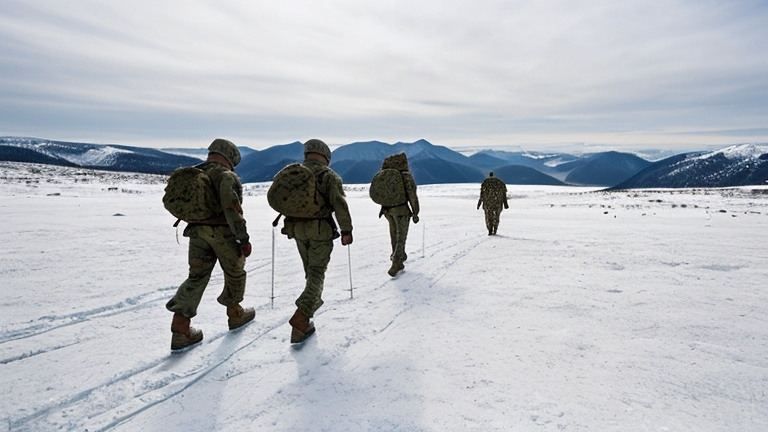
[
  {"x": 181, "y": 341},
  {"x": 298, "y": 336}
]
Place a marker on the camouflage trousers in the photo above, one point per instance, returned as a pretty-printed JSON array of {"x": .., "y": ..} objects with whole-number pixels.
[
  {"x": 398, "y": 234},
  {"x": 314, "y": 240},
  {"x": 492, "y": 214},
  {"x": 207, "y": 245}
]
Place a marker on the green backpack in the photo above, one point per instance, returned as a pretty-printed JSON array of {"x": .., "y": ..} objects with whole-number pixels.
[
  {"x": 190, "y": 196},
  {"x": 294, "y": 193},
  {"x": 387, "y": 188}
]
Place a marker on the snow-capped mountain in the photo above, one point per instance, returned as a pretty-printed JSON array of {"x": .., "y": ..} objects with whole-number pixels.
[
  {"x": 738, "y": 165},
  {"x": 96, "y": 156},
  {"x": 356, "y": 163}
]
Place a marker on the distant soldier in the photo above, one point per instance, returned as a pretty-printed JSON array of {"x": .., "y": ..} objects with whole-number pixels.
[
  {"x": 493, "y": 195},
  {"x": 223, "y": 239},
  {"x": 399, "y": 214}
]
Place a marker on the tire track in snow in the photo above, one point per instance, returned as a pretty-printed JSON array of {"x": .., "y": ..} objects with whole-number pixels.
[
  {"x": 145, "y": 386},
  {"x": 48, "y": 323}
]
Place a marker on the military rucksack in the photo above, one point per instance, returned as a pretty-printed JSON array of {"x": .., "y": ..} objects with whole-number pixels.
[
  {"x": 294, "y": 192},
  {"x": 387, "y": 188},
  {"x": 189, "y": 195}
]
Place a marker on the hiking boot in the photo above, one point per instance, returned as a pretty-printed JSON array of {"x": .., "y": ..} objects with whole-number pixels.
[
  {"x": 239, "y": 317},
  {"x": 396, "y": 267},
  {"x": 182, "y": 334},
  {"x": 302, "y": 327}
]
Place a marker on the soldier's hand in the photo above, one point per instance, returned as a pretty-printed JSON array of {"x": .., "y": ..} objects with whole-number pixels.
[
  {"x": 506, "y": 206},
  {"x": 415, "y": 219},
  {"x": 246, "y": 249},
  {"x": 346, "y": 239}
]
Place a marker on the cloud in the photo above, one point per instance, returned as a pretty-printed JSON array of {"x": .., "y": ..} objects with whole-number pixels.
[{"x": 483, "y": 72}]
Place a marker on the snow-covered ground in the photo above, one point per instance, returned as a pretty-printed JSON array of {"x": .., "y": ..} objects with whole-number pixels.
[{"x": 590, "y": 311}]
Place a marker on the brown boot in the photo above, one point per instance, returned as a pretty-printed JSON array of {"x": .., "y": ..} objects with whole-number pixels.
[
  {"x": 239, "y": 317},
  {"x": 182, "y": 334},
  {"x": 302, "y": 327}
]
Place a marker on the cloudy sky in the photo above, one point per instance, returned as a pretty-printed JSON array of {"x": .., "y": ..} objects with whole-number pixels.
[{"x": 629, "y": 74}]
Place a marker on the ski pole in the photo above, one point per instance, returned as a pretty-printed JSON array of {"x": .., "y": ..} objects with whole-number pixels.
[
  {"x": 423, "y": 237},
  {"x": 273, "y": 268},
  {"x": 349, "y": 265}
]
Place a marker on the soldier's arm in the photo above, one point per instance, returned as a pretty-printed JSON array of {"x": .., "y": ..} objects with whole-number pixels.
[
  {"x": 338, "y": 203},
  {"x": 413, "y": 198},
  {"x": 230, "y": 198}
]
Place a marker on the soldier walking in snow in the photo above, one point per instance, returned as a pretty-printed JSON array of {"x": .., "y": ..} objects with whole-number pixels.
[
  {"x": 314, "y": 236},
  {"x": 223, "y": 238},
  {"x": 399, "y": 214},
  {"x": 493, "y": 195}
]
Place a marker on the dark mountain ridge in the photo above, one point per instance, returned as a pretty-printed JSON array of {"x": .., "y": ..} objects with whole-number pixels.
[{"x": 356, "y": 163}]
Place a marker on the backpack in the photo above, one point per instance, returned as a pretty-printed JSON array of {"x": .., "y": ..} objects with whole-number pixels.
[
  {"x": 387, "y": 188},
  {"x": 190, "y": 196},
  {"x": 293, "y": 192}
]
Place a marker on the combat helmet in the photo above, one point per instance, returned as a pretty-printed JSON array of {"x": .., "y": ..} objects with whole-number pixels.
[
  {"x": 319, "y": 147},
  {"x": 227, "y": 149}
]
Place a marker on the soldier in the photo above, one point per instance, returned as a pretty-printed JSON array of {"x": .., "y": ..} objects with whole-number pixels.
[
  {"x": 493, "y": 194},
  {"x": 223, "y": 238},
  {"x": 314, "y": 237},
  {"x": 399, "y": 216}
]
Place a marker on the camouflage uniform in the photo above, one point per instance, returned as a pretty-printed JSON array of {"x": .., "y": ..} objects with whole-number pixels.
[
  {"x": 314, "y": 237},
  {"x": 217, "y": 239},
  {"x": 399, "y": 217},
  {"x": 493, "y": 195}
]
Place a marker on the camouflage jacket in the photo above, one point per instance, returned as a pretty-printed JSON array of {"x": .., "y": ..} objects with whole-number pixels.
[
  {"x": 413, "y": 198},
  {"x": 493, "y": 193},
  {"x": 229, "y": 191},
  {"x": 329, "y": 184}
]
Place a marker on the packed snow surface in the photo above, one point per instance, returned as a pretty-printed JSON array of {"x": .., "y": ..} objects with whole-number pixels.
[{"x": 590, "y": 311}]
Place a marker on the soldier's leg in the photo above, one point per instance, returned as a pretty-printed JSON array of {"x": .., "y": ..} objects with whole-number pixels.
[
  {"x": 392, "y": 235},
  {"x": 489, "y": 220},
  {"x": 201, "y": 259},
  {"x": 495, "y": 222},
  {"x": 232, "y": 263},
  {"x": 402, "y": 224},
  {"x": 315, "y": 241}
]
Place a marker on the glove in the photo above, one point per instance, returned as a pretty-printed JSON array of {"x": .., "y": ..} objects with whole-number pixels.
[
  {"x": 246, "y": 249},
  {"x": 506, "y": 206},
  {"x": 415, "y": 219},
  {"x": 346, "y": 239}
]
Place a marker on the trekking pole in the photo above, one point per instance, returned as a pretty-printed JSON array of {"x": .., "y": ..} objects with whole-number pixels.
[
  {"x": 349, "y": 265},
  {"x": 423, "y": 237},
  {"x": 273, "y": 268}
]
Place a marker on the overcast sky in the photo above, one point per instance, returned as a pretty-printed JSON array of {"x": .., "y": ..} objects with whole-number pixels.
[{"x": 628, "y": 74}]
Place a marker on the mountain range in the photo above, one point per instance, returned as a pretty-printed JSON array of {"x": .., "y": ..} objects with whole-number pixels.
[{"x": 356, "y": 163}]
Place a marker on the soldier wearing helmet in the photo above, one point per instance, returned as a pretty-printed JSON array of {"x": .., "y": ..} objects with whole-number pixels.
[
  {"x": 223, "y": 239},
  {"x": 314, "y": 237},
  {"x": 493, "y": 195}
]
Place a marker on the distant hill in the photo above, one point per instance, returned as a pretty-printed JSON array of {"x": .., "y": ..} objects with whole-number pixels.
[
  {"x": 523, "y": 175},
  {"x": 262, "y": 165},
  {"x": 604, "y": 169},
  {"x": 430, "y": 164},
  {"x": 356, "y": 163},
  {"x": 739, "y": 165},
  {"x": 106, "y": 157}
]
